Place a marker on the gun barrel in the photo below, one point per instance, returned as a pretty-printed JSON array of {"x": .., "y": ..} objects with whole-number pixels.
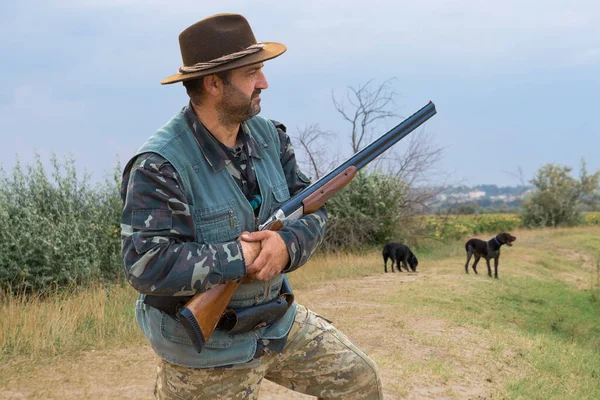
[
  {"x": 378, "y": 146},
  {"x": 368, "y": 154}
]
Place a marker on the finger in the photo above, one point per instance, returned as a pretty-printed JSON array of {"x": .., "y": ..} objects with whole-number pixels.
[
  {"x": 252, "y": 270},
  {"x": 257, "y": 265},
  {"x": 261, "y": 272},
  {"x": 265, "y": 274},
  {"x": 254, "y": 236}
]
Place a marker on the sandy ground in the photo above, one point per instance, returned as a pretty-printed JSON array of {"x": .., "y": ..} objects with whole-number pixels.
[{"x": 419, "y": 357}]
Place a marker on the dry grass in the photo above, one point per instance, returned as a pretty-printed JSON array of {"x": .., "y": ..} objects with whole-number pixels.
[
  {"x": 67, "y": 321},
  {"x": 438, "y": 333}
]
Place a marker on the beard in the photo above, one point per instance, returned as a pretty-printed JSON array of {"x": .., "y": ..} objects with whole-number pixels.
[{"x": 236, "y": 107}]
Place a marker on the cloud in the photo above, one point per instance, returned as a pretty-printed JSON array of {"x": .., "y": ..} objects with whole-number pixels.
[
  {"x": 38, "y": 119},
  {"x": 436, "y": 35},
  {"x": 584, "y": 58},
  {"x": 30, "y": 101},
  {"x": 34, "y": 118}
]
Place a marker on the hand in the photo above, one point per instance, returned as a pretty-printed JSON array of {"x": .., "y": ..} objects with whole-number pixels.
[
  {"x": 250, "y": 250},
  {"x": 272, "y": 258}
]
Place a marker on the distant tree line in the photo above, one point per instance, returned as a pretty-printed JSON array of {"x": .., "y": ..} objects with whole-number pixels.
[{"x": 555, "y": 198}]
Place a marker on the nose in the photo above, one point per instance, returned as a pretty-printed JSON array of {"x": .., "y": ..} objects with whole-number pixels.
[{"x": 261, "y": 82}]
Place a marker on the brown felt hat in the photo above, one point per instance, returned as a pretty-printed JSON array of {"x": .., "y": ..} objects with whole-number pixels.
[{"x": 221, "y": 35}]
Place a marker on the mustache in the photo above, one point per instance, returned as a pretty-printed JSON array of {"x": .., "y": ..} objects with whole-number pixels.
[{"x": 256, "y": 92}]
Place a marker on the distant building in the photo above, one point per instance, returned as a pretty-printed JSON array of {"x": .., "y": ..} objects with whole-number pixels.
[{"x": 484, "y": 195}]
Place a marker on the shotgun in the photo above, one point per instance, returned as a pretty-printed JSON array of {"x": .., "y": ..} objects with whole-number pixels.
[{"x": 202, "y": 313}]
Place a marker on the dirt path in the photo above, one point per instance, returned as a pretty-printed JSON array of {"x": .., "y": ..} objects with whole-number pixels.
[{"x": 419, "y": 357}]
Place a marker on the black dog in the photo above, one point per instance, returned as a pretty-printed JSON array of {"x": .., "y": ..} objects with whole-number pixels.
[
  {"x": 399, "y": 253},
  {"x": 487, "y": 250}
]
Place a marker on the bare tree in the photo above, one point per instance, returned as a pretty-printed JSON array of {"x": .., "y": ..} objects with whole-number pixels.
[
  {"x": 519, "y": 175},
  {"x": 402, "y": 186},
  {"x": 415, "y": 167},
  {"x": 421, "y": 155},
  {"x": 368, "y": 104},
  {"x": 316, "y": 155}
]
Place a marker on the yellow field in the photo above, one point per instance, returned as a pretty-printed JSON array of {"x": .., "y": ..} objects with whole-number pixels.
[{"x": 459, "y": 226}]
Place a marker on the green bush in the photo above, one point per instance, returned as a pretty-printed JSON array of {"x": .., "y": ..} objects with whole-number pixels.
[
  {"x": 57, "y": 231},
  {"x": 557, "y": 198},
  {"x": 366, "y": 212}
]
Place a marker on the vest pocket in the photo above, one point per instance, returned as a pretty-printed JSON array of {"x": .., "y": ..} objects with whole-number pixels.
[
  {"x": 281, "y": 193},
  {"x": 217, "y": 224},
  {"x": 172, "y": 330}
]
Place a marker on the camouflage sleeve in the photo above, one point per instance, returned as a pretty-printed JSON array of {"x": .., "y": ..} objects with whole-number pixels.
[
  {"x": 160, "y": 255},
  {"x": 304, "y": 235}
]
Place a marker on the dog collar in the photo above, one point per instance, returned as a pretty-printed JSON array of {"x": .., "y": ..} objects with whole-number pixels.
[{"x": 497, "y": 241}]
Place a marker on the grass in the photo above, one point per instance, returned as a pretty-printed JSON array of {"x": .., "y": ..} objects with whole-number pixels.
[
  {"x": 324, "y": 268},
  {"x": 67, "y": 322},
  {"x": 554, "y": 321},
  {"x": 532, "y": 334}
]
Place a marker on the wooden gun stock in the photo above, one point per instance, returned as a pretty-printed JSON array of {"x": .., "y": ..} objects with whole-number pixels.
[{"x": 202, "y": 313}]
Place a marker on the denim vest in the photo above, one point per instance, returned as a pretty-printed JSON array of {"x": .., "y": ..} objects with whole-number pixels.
[{"x": 221, "y": 212}]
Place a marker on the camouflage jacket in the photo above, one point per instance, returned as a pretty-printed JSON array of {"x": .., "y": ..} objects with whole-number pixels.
[{"x": 162, "y": 262}]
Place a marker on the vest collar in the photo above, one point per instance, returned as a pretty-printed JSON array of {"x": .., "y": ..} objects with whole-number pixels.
[{"x": 209, "y": 146}]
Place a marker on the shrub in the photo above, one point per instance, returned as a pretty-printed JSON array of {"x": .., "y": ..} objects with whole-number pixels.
[
  {"x": 556, "y": 200},
  {"x": 59, "y": 230},
  {"x": 366, "y": 212}
]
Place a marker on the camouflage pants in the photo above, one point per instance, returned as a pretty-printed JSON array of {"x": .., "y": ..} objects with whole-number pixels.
[{"x": 318, "y": 360}]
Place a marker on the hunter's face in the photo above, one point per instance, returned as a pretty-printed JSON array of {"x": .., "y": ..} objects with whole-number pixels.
[{"x": 241, "y": 95}]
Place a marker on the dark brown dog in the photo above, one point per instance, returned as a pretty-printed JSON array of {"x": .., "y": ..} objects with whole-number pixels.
[{"x": 487, "y": 250}]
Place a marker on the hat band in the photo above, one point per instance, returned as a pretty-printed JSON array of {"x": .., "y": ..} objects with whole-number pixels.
[{"x": 202, "y": 66}]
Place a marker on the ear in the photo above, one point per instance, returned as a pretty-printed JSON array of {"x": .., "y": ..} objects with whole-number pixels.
[{"x": 213, "y": 85}]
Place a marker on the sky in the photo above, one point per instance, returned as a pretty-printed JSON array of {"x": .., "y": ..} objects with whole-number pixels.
[{"x": 516, "y": 83}]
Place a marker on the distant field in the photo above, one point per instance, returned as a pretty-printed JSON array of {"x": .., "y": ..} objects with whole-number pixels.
[
  {"x": 437, "y": 333},
  {"x": 457, "y": 226}
]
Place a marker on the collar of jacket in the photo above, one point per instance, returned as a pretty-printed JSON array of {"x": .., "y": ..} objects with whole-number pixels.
[{"x": 209, "y": 146}]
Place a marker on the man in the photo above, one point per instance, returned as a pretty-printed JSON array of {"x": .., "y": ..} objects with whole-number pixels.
[{"x": 192, "y": 195}]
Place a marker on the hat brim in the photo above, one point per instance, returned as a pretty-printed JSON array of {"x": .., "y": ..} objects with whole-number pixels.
[{"x": 271, "y": 50}]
